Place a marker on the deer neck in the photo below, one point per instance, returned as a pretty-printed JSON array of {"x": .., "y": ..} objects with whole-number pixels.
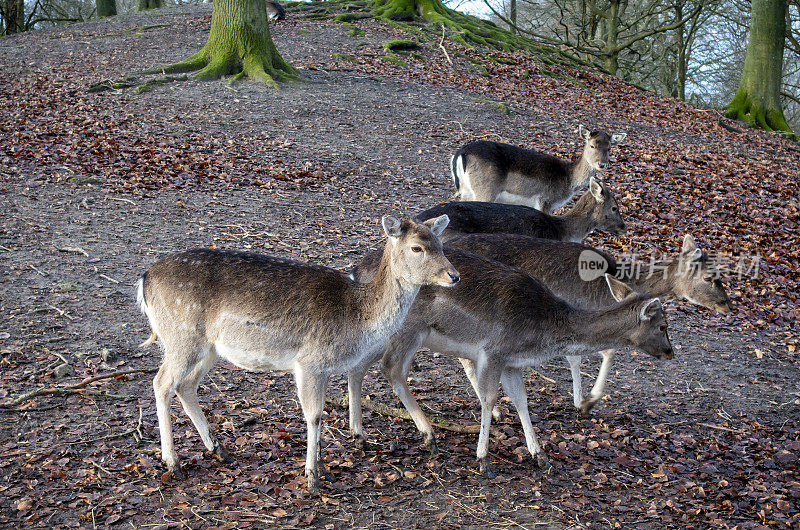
[
  {"x": 656, "y": 278},
  {"x": 385, "y": 301},
  {"x": 577, "y": 223},
  {"x": 580, "y": 171},
  {"x": 592, "y": 331}
]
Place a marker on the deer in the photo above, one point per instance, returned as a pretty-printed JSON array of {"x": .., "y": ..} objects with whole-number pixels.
[
  {"x": 498, "y": 172},
  {"x": 265, "y": 313},
  {"x": 597, "y": 209},
  {"x": 275, "y": 11},
  {"x": 574, "y": 272},
  {"x": 501, "y": 320}
]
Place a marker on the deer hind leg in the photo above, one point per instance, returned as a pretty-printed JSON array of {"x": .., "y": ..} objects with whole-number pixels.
[
  {"x": 180, "y": 359},
  {"x": 514, "y": 385},
  {"x": 598, "y": 390},
  {"x": 488, "y": 390},
  {"x": 469, "y": 370},
  {"x": 574, "y": 362},
  {"x": 395, "y": 365},
  {"x": 311, "y": 391},
  {"x": 187, "y": 393}
]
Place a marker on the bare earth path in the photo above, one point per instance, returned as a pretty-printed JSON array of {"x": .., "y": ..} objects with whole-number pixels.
[{"x": 711, "y": 438}]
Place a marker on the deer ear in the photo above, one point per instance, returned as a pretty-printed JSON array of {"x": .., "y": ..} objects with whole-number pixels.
[
  {"x": 650, "y": 309},
  {"x": 619, "y": 290},
  {"x": 438, "y": 224},
  {"x": 690, "y": 250},
  {"x": 618, "y": 138},
  {"x": 596, "y": 189},
  {"x": 391, "y": 225},
  {"x": 584, "y": 132}
]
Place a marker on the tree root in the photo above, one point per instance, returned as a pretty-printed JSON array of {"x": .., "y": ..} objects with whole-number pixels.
[{"x": 744, "y": 108}]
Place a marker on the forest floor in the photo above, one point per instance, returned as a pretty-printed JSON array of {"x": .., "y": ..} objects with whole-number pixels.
[{"x": 94, "y": 187}]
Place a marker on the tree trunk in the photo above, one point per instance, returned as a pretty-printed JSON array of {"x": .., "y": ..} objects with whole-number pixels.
[
  {"x": 144, "y": 5},
  {"x": 611, "y": 60},
  {"x": 106, "y": 8},
  {"x": 512, "y": 16},
  {"x": 239, "y": 44},
  {"x": 14, "y": 16},
  {"x": 758, "y": 99}
]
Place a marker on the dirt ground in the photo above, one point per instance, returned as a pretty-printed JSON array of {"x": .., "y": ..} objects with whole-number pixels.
[{"x": 710, "y": 438}]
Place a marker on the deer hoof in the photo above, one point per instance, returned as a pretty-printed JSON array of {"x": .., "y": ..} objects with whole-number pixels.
[
  {"x": 360, "y": 442},
  {"x": 222, "y": 454},
  {"x": 176, "y": 472},
  {"x": 541, "y": 460},
  {"x": 313, "y": 480},
  {"x": 586, "y": 407},
  {"x": 485, "y": 469},
  {"x": 498, "y": 414},
  {"x": 430, "y": 444}
]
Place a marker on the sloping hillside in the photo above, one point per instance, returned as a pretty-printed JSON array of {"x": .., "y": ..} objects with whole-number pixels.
[{"x": 96, "y": 186}]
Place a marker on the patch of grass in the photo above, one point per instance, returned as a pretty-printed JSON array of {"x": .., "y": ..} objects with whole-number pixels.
[
  {"x": 349, "y": 17},
  {"x": 345, "y": 58},
  {"x": 303, "y": 31},
  {"x": 400, "y": 45},
  {"x": 82, "y": 180},
  {"x": 499, "y": 106},
  {"x": 64, "y": 285},
  {"x": 392, "y": 58}
]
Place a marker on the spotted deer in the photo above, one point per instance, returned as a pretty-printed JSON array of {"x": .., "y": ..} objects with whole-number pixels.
[
  {"x": 575, "y": 273},
  {"x": 265, "y": 313},
  {"x": 500, "y": 320},
  {"x": 497, "y": 172},
  {"x": 597, "y": 209}
]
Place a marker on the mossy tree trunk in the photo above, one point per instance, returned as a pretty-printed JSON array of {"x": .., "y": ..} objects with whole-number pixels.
[
  {"x": 239, "y": 44},
  {"x": 144, "y": 5},
  {"x": 13, "y": 16},
  {"x": 758, "y": 99},
  {"x": 106, "y": 8},
  {"x": 467, "y": 28}
]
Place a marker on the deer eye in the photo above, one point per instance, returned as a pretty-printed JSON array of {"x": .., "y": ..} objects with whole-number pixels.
[
  {"x": 662, "y": 328},
  {"x": 614, "y": 209},
  {"x": 708, "y": 279},
  {"x": 416, "y": 249}
]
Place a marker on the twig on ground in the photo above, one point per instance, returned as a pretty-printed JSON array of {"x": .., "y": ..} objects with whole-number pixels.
[
  {"x": 441, "y": 45},
  {"x": 120, "y": 199},
  {"x": 61, "y": 312},
  {"x": 77, "y": 250},
  {"x": 395, "y": 412},
  {"x": 721, "y": 428},
  {"x": 78, "y": 388},
  {"x": 37, "y": 270},
  {"x": 109, "y": 278}
]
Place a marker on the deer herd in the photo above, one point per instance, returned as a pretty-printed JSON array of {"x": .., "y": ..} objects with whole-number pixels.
[{"x": 494, "y": 280}]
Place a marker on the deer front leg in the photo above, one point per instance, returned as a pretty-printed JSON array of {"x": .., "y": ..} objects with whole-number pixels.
[
  {"x": 354, "y": 381},
  {"x": 311, "y": 391},
  {"x": 514, "y": 385},
  {"x": 598, "y": 390},
  {"x": 395, "y": 365}
]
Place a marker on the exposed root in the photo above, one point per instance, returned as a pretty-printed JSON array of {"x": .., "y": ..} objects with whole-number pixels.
[{"x": 744, "y": 108}]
